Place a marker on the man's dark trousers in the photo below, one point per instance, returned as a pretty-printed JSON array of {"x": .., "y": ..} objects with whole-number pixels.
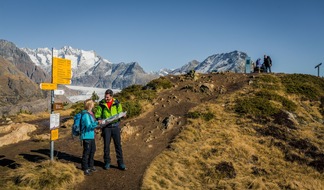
[{"x": 108, "y": 134}]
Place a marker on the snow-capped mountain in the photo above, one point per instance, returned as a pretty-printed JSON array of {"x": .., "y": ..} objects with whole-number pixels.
[
  {"x": 90, "y": 69},
  {"x": 81, "y": 60},
  {"x": 186, "y": 68},
  {"x": 233, "y": 61}
]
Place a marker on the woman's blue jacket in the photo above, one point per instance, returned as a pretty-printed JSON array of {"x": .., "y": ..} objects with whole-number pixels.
[{"x": 88, "y": 125}]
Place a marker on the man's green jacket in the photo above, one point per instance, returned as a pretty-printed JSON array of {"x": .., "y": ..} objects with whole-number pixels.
[{"x": 103, "y": 112}]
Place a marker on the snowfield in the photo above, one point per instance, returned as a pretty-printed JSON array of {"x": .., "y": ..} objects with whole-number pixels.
[{"x": 87, "y": 92}]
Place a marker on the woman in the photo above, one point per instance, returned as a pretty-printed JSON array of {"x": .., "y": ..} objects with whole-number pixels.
[{"x": 88, "y": 126}]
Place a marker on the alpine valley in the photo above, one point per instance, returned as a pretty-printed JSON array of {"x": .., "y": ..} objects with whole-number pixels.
[{"x": 24, "y": 67}]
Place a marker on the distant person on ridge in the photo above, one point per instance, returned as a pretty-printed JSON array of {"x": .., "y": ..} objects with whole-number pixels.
[
  {"x": 88, "y": 125},
  {"x": 267, "y": 63},
  {"x": 258, "y": 65},
  {"x": 108, "y": 107}
]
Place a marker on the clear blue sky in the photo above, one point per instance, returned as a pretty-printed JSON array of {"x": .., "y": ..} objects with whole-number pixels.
[{"x": 169, "y": 33}]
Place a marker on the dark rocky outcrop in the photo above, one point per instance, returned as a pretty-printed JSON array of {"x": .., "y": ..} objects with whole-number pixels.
[
  {"x": 16, "y": 87},
  {"x": 21, "y": 60}
]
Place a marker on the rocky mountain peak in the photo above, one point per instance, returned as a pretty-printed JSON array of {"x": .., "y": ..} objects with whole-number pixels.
[
  {"x": 21, "y": 59},
  {"x": 232, "y": 61},
  {"x": 89, "y": 69}
]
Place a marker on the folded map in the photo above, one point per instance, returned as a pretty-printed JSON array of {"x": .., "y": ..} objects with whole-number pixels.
[{"x": 113, "y": 118}]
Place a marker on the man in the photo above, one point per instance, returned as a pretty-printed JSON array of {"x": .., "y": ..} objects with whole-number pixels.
[
  {"x": 108, "y": 107},
  {"x": 267, "y": 63}
]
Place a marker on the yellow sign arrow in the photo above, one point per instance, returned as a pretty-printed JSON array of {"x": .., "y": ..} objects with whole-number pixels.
[
  {"x": 48, "y": 86},
  {"x": 54, "y": 134}
]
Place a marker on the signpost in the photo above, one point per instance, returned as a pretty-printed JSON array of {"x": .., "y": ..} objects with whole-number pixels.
[
  {"x": 58, "y": 106},
  {"x": 48, "y": 86},
  {"x": 54, "y": 121},
  {"x": 54, "y": 134},
  {"x": 61, "y": 74},
  {"x": 318, "y": 69},
  {"x": 58, "y": 92}
]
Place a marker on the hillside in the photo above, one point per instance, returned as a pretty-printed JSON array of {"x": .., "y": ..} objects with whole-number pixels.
[
  {"x": 21, "y": 60},
  {"x": 21, "y": 94},
  {"x": 15, "y": 85},
  {"x": 199, "y": 131}
]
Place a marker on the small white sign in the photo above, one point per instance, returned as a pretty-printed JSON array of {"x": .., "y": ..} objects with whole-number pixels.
[
  {"x": 58, "y": 92},
  {"x": 54, "y": 120}
]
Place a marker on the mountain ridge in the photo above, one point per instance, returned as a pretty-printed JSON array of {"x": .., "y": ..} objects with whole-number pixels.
[
  {"x": 91, "y": 70},
  {"x": 85, "y": 63}
]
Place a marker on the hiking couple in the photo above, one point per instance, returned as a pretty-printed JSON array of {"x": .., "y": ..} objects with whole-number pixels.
[
  {"x": 265, "y": 66},
  {"x": 107, "y": 107}
]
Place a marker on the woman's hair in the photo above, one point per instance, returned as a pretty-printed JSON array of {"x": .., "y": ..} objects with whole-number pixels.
[{"x": 88, "y": 103}]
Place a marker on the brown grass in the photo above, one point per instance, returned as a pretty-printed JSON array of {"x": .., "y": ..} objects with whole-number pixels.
[
  {"x": 44, "y": 175},
  {"x": 226, "y": 153},
  {"x": 24, "y": 117}
]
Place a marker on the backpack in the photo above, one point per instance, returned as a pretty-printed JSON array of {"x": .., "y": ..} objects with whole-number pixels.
[{"x": 76, "y": 127}]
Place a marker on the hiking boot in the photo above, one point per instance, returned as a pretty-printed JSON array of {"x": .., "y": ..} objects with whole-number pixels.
[
  {"x": 122, "y": 167},
  {"x": 107, "y": 166},
  {"x": 87, "y": 172},
  {"x": 93, "y": 169}
]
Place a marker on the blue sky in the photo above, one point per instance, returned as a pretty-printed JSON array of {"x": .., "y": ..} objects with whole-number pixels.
[{"x": 169, "y": 33}]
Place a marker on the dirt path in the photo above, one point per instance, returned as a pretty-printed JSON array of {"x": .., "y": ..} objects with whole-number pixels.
[
  {"x": 150, "y": 139},
  {"x": 155, "y": 130},
  {"x": 139, "y": 151}
]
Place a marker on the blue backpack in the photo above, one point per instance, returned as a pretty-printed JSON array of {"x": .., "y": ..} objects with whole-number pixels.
[{"x": 76, "y": 127}]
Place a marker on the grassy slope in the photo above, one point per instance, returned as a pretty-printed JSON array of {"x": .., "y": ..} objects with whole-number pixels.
[
  {"x": 246, "y": 147},
  {"x": 268, "y": 135}
]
